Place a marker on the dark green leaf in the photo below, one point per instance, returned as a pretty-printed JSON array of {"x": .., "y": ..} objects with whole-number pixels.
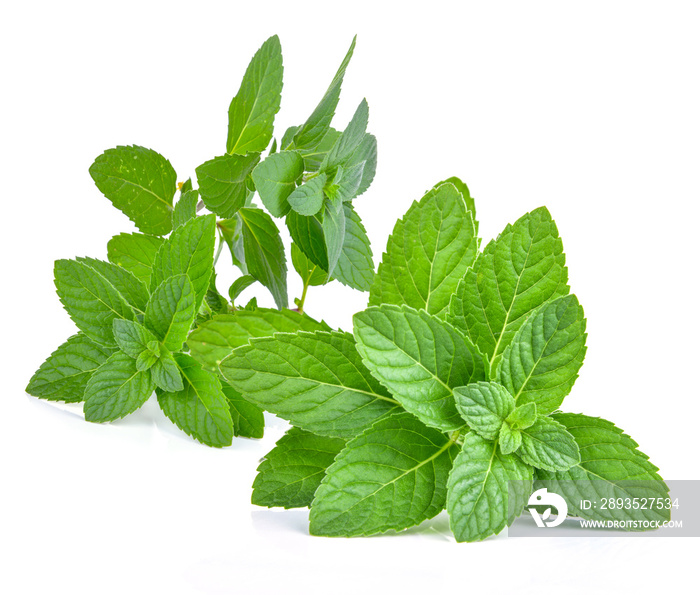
[{"x": 222, "y": 182}]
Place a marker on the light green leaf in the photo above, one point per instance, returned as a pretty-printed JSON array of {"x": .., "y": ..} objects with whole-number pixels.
[
  {"x": 484, "y": 406},
  {"x": 214, "y": 339},
  {"x": 517, "y": 272},
  {"x": 466, "y": 195},
  {"x": 65, "y": 373},
  {"x": 478, "y": 499},
  {"x": 248, "y": 419},
  {"x": 170, "y": 312},
  {"x": 355, "y": 266},
  {"x": 131, "y": 289},
  {"x": 390, "y": 477},
  {"x": 428, "y": 253},
  {"x": 314, "y": 380},
  {"x": 509, "y": 439},
  {"x": 116, "y": 389},
  {"x": 611, "y": 467},
  {"x": 90, "y": 300},
  {"x": 313, "y": 157},
  {"x": 134, "y": 252},
  {"x": 231, "y": 231},
  {"x": 131, "y": 337},
  {"x": 307, "y": 199},
  {"x": 166, "y": 373},
  {"x": 188, "y": 251},
  {"x": 148, "y": 358},
  {"x": 140, "y": 183},
  {"x": 310, "y": 273},
  {"x": 291, "y": 472},
  {"x": 349, "y": 140},
  {"x": 222, "y": 182},
  {"x": 185, "y": 208},
  {"x": 315, "y": 128},
  {"x": 365, "y": 153},
  {"x": 275, "y": 179},
  {"x": 240, "y": 285},
  {"x": 420, "y": 359},
  {"x": 251, "y": 115},
  {"x": 547, "y": 445},
  {"x": 350, "y": 182},
  {"x": 542, "y": 362},
  {"x": 201, "y": 409},
  {"x": 307, "y": 233},
  {"x": 217, "y": 303},
  {"x": 333, "y": 226},
  {"x": 523, "y": 416},
  {"x": 264, "y": 252}
]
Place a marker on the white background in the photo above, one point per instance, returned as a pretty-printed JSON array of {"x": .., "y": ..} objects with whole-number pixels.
[{"x": 589, "y": 108}]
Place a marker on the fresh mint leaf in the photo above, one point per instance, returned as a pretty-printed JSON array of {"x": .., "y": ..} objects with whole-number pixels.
[
  {"x": 166, "y": 373},
  {"x": 349, "y": 184},
  {"x": 314, "y": 380},
  {"x": 222, "y": 182},
  {"x": 134, "y": 252},
  {"x": 349, "y": 140},
  {"x": 542, "y": 361},
  {"x": 466, "y": 195},
  {"x": 307, "y": 234},
  {"x": 65, "y": 373},
  {"x": 264, "y": 252},
  {"x": 214, "y": 300},
  {"x": 215, "y": 339},
  {"x": 248, "y": 419},
  {"x": 390, "y": 477},
  {"x": 478, "y": 499},
  {"x": 140, "y": 183},
  {"x": 148, "y": 357},
  {"x": 517, "y": 272},
  {"x": 171, "y": 310},
  {"x": 116, "y": 389},
  {"x": 186, "y": 207},
  {"x": 310, "y": 273},
  {"x": 275, "y": 179},
  {"x": 251, "y": 114},
  {"x": 201, "y": 409},
  {"x": 188, "y": 251},
  {"x": 522, "y": 416},
  {"x": 307, "y": 199},
  {"x": 131, "y": 337},
  {"x": 365, "y": 154},
  {"x": 484, "y": 406},
  {"x": 420, "y": 359},
  {"x": 428, "y": 253},
  {"x": 333, "y": 226},
  {"x": 240, "y": 285},
  {"x": 311, "y": 133},
  {"x": 313, "y": 157},
  {"x": 547, "y": 445},
  {"x": 131, "y": 289},
  {"x": 291, "y": 472},
  {"x": 611, "y": 465},
  {"x": 355, "y": 266},
  {"x": 90, "y": 300},
  {"x": 509, "y": 439}
]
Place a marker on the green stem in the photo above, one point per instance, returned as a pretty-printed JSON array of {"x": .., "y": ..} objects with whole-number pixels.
[
  {"x": 302, "y": 299},
  {"x": 221, "y": 247}
]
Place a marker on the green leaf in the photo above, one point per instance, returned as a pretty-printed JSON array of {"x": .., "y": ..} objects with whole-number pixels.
[
  {"x": 290, "y": 473},
  {"x": 214, "y": 339},
  {"x": 201, "y": 409},
  {"x": 188, "y": 251},
  {"x": 264, "y": 252},
  {"x": 216, "y": 302},
  {"x": 90, "y": 300},
  {"x": 251, "y": 115},
  {"x": 222, "y": 182},
  {"x": 542, "y": 362},
  {"x": 466, "y": 195},
  {"x": 311, "y": 274},
  {"x": 517, "y": 272},
  {"x": 307, "y": 199},
  {"x": 366, "y": 154},
  {"x": 166, "y": 373},
  {"x": 116, "y": 389},
  {"x": 275, "y": 179},
  {"x": 170, "y": 313},
  {"x": 350, "y": 182},
  {"x": 349, "y": 140},
  {"x": 240, "y": 285},
  {"x": 231, "y": 232},
  {"x": 547, "y": 445},
  {"x": 611, "y": 467},
  {"x": 65, "y": 373},
  {"x": 428, "y": 253},
  {"x": 355, "y": 266},
  {"x": 314, "y": 380},
  {"x": 478, "y": 499},
  {"x": 484, "y": 406},
  {"x": 140, "y": 183},
  {"x": 131, "y": 337},
  {"x": 313, "y": 157},
  {"x": 509, "y": 439},
  {"x": 315, "y": 128},
  {"x": 307, "y": 233},
  {"x": 248, "y": 419},
  {"x": 148, "y": 358},
  {"x": 185, "y": 208},
  {"x": 333, "y": 226},
  {"x": 134, "y": 252},
  {"x": 523, "y": 416},
  {"x": 390, "y": 477},
  {"x": 419, "y": 358},
  {"x": 131, "y": 289}
]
